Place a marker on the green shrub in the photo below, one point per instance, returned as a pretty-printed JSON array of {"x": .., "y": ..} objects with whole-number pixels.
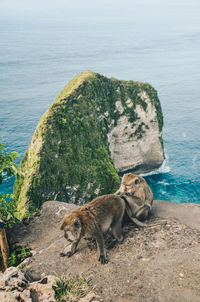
[
  {"x": 18, "y": 255},
  {"x": 7, "y": 203}
]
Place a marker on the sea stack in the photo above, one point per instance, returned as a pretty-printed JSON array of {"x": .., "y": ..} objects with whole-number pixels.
[{"x": 96, "y": 128}]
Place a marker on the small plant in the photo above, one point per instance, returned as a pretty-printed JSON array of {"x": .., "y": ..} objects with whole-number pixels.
[
  {"x": 7, "y": 210},
  {"x": 24, "y": 253},
  {"x": 12, "y": 260},
  {"x": 18, "y": 255},
  {"x": 7, "y": 165},
  {"x": 61, "y": 288},
  {"x": 7, "y": 205},
  {"x": 7, "y": 169},
  {"x": 70, "y": 289}
]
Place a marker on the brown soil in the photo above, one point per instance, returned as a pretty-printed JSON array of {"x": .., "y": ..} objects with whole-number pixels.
[{"x": 153, "y": 264}]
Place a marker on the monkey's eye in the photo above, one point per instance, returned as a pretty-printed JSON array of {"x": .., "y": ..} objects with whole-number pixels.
[
  {"x": 137, "y": 181},
  {"x": 76, "y": 223}
]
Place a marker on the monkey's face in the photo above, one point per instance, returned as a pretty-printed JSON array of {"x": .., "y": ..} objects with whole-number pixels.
[
  {"x": 72, "y": 229},
  {"x": 131, "y": 185}
]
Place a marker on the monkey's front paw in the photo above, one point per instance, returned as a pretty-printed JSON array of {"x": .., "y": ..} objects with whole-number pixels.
[
  {"x": 62, "y": 254},
  {"x": 103, "y": 259},
  {"x": 69, "y": 254}
]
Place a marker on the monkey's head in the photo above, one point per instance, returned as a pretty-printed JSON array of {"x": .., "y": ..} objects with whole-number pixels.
[
  {"x": 71, "y": 225},
  {"x": 130, "y": 183}
]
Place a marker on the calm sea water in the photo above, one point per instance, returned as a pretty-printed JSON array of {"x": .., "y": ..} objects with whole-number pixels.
[{"x": 144, "y": 40}]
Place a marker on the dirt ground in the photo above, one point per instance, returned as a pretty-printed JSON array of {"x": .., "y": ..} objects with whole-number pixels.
[{"x": 153, "y": 264}]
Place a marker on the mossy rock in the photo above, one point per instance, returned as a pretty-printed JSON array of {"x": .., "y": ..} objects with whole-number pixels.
[{"x": 69, "y": 158}]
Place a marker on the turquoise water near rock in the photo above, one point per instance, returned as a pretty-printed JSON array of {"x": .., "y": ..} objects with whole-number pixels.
[{"x": 135, "y": 40}]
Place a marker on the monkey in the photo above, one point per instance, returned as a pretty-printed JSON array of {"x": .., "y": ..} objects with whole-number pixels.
[
  {"x": 138, "y": 198},
  {"x": 135, "y": 187},
  {"x": 93, "y": 219}
]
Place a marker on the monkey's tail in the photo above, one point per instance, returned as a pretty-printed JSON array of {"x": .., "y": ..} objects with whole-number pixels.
[{"x": 142, "y": 224}]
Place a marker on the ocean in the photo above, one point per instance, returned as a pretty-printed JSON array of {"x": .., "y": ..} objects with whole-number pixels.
[{"x": 151, "y": 41}]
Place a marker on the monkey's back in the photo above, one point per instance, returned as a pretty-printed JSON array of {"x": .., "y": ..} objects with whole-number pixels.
[{"x": 101, "y": 211}]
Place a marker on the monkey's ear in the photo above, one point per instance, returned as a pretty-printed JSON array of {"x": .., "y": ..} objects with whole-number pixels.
[
  {"x": 123, "y": 178},
  {"x": 137, "y": 181},
  {"x": 77, "y": 223}
]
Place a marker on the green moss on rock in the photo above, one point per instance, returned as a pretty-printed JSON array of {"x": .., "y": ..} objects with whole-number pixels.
[{"x": 68, "y": 158}]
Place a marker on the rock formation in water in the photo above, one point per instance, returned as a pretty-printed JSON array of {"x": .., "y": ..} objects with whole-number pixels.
[{"x": 95, "y": 128}]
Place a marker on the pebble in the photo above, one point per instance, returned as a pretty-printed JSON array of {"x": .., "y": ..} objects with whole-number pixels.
[{"x": 145, "y": 259}]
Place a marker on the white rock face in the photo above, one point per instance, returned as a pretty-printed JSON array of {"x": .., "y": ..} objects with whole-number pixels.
[{"x": 137, "y": 147}]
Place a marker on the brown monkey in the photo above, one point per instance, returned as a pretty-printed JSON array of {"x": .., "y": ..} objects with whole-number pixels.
[
  {"x": 138, "y": 197},
  {"x": 93, "y": 219},
  {"x": 136, "y": 185}
]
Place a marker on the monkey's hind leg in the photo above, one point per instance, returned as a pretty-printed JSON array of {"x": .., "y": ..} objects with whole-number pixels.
[
  {"x": 117, "y": 231},
  {"x": 100, "y": 245}
]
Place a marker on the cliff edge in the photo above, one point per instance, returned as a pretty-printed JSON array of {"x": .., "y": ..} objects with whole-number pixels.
[
  {"x": 95, "y": 128},
  {"x": 159, "y": 263}
]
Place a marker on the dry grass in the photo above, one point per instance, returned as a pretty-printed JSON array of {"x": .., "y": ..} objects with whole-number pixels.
[{"x": 71, "y": 289}]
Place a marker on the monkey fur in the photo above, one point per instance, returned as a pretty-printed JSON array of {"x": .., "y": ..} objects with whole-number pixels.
[
  {"x": 138, "y": 198},
  {"x": 134, "y": 198},
  {"x": 92, "y": 220}
]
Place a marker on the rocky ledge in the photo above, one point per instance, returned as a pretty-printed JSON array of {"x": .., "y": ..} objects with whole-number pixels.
[
  {"x": 160, "y": 263},
  {"x": 17, "y": 286}
]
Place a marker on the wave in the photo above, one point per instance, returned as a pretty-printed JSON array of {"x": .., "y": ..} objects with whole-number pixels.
[{"x": 165, "y": 168}]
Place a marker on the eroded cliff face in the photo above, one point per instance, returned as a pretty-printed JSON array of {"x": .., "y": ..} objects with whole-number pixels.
[
  {"x": 137, "y": 146},
  {"x": 96, "y": 128}
]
